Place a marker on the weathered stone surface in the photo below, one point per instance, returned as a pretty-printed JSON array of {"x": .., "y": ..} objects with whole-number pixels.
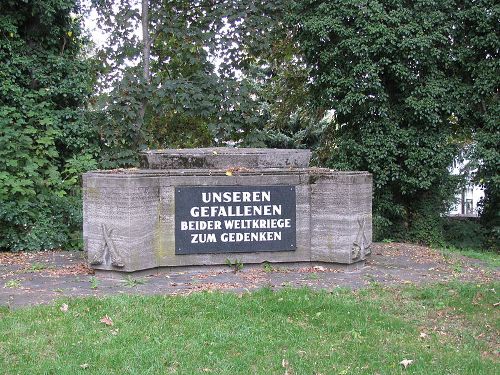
[
  {"x": 341, "y": 216},
  {"x": 224, "y": 158},
  {"x": 129, "y": 216}
]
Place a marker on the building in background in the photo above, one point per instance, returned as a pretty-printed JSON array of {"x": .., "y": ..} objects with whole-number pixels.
[{"x": 467, "y": 200}]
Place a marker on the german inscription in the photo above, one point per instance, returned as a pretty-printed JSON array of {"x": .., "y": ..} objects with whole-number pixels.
[{"x": 222, "y": 219}]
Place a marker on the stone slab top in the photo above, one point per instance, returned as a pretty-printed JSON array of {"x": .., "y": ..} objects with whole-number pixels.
[
  {"x": 237, "y": 171},
  {"x": 224, "y": 158}
]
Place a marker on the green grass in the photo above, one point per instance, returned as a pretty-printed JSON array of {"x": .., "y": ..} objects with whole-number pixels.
[
  {"x": 35, "y": 267},
  {"x": 266, "y": 332},
  {"x": 131, "y": 282},
  {"x": 13, "y": 284},
  {"x": 267, "y": 267},
  {"x": 236, "y": 265},
  {"x": 491, "y": 258},
  {"x": 94, "y": 282}
]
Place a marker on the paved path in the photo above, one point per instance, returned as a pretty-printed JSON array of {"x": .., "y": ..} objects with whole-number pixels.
[{"x": 42, "y": 277}]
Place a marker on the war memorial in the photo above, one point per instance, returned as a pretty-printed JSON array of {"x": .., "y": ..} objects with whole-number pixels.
[{"x": 189, "y": 207}]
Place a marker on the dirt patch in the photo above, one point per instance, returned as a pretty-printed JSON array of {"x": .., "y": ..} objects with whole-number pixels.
[
  {"x": 18, "y": 259},
  {"x": 417, "y": 253},
  {"x": 74, "y": 270}
]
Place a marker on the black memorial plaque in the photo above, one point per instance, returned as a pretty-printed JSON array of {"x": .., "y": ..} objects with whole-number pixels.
[{"x": 224, "y": 219}]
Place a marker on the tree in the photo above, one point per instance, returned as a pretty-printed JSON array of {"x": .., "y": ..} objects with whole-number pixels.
[
  {"x": 44, "y": 139},
  {"x": 394, "y": 72},
  {"x": 197, "y": 92},
  {"x": 477, "y": 48}
]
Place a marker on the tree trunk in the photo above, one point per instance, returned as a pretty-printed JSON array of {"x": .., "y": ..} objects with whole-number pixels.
[
  {"x": 146, "y": 54},
  {"x": 145, "y": 40}
]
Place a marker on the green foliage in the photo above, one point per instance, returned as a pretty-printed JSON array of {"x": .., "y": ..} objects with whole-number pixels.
[
  {"x": 400, "y": 76},
  {"x": 236, "y": 265},
  {"x": 185, "y": 99},
  {"x": 426, "y": 221},
  {"x": 393, "y": 87},
  {"x": 465, "y": 233},
  {"x": 43, "y": 148},
  {"x": 177, "y": 131},
  {"x": 476, "y": 48}
]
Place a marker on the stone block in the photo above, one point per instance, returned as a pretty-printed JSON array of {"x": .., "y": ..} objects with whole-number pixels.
[
  {"x": 224, "y": 158},
  {"x": 341, "y": 216}
]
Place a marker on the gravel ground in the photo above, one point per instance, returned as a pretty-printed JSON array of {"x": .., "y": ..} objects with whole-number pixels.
[{"x": 33, "y": 278}]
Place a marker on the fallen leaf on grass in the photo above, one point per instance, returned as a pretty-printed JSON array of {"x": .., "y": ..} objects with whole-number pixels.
[
  {"x": 106, "y": 320},
  {"x": 423, "y": 335},
  {"x": 286, "y": 366},
  {"x": 406, "y": 362},
  {"x": 64, "y": 307}
]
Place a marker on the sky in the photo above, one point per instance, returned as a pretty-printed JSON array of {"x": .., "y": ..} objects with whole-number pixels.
[{"x": 90, "y": 23}]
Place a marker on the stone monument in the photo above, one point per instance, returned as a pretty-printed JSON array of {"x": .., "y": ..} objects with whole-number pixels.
[{"x": 204, "y": 206}]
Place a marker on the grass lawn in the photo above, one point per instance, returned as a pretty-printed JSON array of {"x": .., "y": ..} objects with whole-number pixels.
[
  {"x": 443, "y": 329},
  {"x": 490, "y": 258}
]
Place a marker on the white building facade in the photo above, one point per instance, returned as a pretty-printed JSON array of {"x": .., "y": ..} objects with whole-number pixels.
[{"x": 467, "y": 200}]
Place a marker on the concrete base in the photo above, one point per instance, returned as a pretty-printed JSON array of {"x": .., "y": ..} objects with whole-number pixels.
[{"x": 278, "y": 267}]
